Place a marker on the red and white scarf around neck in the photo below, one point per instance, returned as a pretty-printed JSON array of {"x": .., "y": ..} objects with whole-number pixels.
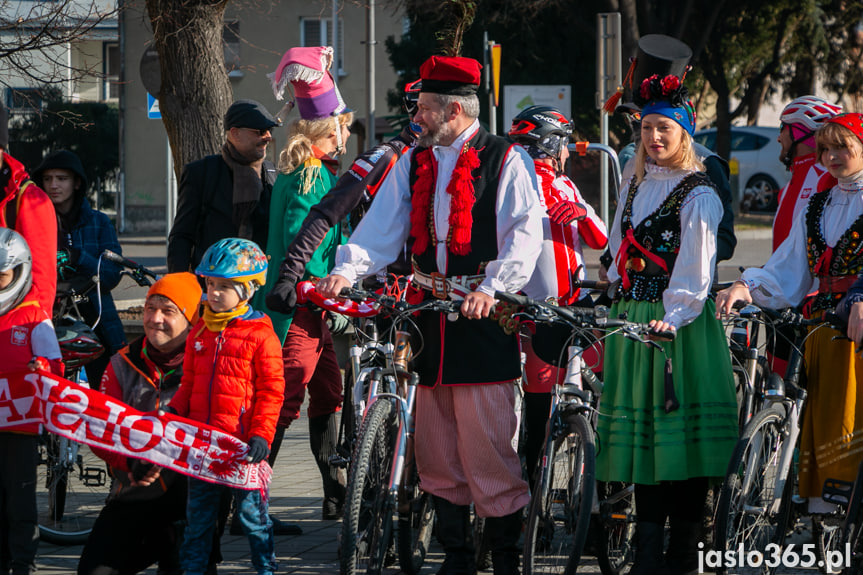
[{"x": 461, "y": 191}]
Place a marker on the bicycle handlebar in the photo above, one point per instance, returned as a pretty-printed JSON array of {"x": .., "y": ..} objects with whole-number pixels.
[
  {"x": 137, "y": 271},
  {"x": 584, "y": 317},
  {"x": 400, "y": 306}
]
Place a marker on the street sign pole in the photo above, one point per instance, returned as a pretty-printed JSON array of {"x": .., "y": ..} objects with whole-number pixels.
[{"x": 608, "y": 76}]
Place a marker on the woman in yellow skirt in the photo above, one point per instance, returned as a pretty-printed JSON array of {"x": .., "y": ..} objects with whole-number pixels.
[{"x": 823, "y": 253}]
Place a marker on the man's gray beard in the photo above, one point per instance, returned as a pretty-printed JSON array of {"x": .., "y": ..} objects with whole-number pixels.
[{"x": 444, "y": 133}]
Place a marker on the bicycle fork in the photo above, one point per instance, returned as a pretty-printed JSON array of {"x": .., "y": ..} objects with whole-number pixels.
[{"x": 404, "y": 443}]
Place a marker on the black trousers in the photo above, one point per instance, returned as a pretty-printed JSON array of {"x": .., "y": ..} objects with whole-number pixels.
[
  {"x": 128, "y": 537},
  {"x": 19, "y": 528}
]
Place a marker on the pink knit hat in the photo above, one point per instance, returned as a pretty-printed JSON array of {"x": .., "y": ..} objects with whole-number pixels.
[{"x": 308, "y": 71}]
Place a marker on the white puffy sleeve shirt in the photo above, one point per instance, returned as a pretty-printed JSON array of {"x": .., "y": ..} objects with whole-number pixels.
[
  {"x": 700, "y": 214},
  {"x": 385, "y": 228},
  {"x": 786, "y": 279}
]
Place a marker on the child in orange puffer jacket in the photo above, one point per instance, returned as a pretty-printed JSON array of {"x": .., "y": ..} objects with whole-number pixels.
[{"x": 233, "y": 380}]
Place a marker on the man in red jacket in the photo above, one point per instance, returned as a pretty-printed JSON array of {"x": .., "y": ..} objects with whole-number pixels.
[{"x": 25, "y": 208}]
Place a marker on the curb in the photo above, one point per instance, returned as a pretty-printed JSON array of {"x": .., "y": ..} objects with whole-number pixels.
[
  {"x": 143, "y": 240},
  {"x": 756, "y": 234}
]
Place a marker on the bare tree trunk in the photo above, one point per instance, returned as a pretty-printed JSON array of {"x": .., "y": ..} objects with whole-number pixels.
[{"x": 195, "y": 89}]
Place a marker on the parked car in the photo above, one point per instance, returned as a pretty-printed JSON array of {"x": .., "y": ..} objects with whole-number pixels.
[{"x": 761, "y": 173}]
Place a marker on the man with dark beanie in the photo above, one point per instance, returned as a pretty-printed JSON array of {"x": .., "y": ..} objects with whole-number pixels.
[
  {"x": 469, "y": 201},
  {"x": 25, "y": 208},
  {"x": 227, "y": 194}
]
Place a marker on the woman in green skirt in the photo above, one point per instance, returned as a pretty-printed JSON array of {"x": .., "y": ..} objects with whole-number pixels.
[{"x": 668, "y": 419}]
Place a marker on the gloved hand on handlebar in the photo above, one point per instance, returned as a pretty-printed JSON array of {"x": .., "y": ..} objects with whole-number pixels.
[
  {"x": 283, "y": 297},
  {"x": 565, "y": 212},
  {"x": 258, "y": 449}
]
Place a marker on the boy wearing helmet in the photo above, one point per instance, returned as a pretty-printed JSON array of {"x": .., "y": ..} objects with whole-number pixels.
[
  {"x": 27, "y": 340},
  {"x": 799, "y": 121},
  {"x": 233, "y": 380}
]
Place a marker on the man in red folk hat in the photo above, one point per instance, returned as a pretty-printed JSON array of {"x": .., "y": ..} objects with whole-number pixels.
[{"x": 468, "y": 200}]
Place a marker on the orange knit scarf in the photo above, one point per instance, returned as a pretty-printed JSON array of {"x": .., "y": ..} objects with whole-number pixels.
[{"x": 460, "y": 189}]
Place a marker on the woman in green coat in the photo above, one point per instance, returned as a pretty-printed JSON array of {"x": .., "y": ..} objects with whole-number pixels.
[{"x": 307, "y": 171}]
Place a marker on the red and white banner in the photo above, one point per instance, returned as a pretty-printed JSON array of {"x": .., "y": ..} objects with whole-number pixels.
[{"x": 87, "y": 416}]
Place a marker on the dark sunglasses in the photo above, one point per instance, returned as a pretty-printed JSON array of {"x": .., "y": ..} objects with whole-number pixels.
[{"x": 261, "y": 133}]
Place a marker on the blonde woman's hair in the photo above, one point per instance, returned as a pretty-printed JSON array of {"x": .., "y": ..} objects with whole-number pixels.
[
  {"x": 302, "y": 134},
  {"x": 835, "y": 135},
  {"x": 686, "y": 158}
]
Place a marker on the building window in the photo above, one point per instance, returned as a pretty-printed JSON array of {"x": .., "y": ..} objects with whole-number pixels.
[
  {"x": 24, "y": 100},
  {"x": 319, "y": 32},
  {"x": 231, "y": 44},
  {"x": 111, "y": 64}
]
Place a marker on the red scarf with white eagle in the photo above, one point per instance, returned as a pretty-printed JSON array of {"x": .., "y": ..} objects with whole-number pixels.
[{"x": 461, "y": 191}]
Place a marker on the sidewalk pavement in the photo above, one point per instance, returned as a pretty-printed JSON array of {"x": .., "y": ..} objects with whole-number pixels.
[{"x": 295, "y": 497}]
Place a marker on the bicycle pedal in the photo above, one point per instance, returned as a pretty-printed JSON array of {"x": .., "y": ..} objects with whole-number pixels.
[
  {"x": 339, "y": 461},
  {"x": 94, "y": 476},
  {"x": 837, "y": 491},
  {"x": 558, "y": 496}
]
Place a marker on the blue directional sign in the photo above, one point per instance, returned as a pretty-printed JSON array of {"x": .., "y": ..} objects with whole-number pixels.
[{"x": 153, "y": 112}]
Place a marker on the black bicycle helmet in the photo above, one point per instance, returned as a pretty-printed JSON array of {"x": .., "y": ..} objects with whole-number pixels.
[
  {"x": 542, "y": 130},
  {"x": 412, "y": 96}
]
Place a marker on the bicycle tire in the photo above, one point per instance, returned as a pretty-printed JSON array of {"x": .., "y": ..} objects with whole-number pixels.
[
  {"x": 762, "y": 370},
  {"x": 368, "y": 519},
  {"x": 614, "y": 526},
  {"x": 743, "y": 518},
  {"x": 416, "y": 517},
  {"x": 71, "y": 488},
  {"x": 559, "y": 516},
  {"x": 347, "y": 425},
  {"x": 829, "y": 540},
  {"x": 854, "y": 535}
]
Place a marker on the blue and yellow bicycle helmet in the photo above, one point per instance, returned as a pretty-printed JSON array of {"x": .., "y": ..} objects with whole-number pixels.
[{"x": 235, "y": 259}]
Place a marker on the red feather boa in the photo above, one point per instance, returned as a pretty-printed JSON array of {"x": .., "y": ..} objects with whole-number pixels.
[{"x": 460, "y": 189}]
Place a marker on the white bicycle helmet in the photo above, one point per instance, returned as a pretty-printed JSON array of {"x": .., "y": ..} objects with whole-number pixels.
[
  {"x": 14, "y": 255},
  {"x": 809, "y": 111}
]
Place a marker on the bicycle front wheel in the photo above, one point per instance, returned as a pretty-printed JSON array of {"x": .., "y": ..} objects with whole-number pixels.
[
  {"x": 746, "y": 512},
  {"x": 560, "y": 508},
  {"x": 368, "y": 520},
  {"x": 72, "y": 485}
]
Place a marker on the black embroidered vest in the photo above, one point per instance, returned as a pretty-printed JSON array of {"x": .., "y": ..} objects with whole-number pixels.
[
  {"x": 659, "y": 236},
  {"x": 845, "y": 260},
  {"x": 469, "y": 351}
]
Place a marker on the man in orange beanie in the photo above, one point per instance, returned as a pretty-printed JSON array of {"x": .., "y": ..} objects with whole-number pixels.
[{"x": 137, "y": 526}]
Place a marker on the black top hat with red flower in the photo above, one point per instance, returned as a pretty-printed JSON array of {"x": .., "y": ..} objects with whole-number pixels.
[{"x": 657, "y": 55}]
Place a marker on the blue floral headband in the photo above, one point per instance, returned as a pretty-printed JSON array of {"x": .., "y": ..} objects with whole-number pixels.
[{"x": 683, "y": 115}]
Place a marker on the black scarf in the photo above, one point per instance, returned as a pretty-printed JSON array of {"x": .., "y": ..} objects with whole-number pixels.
[{"x": 247, "y": 188}]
